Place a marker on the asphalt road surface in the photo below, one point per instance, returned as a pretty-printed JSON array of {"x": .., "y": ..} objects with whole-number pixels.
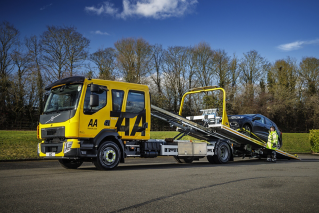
[{"x": 161, "y": 185}]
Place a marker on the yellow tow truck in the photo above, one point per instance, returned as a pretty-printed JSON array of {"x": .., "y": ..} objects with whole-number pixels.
[{"x": 104, "y": 122}]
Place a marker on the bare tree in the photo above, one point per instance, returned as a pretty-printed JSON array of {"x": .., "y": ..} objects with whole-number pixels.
[
  {"x": 156, "y": 66},
  {"x": 133, "y": 57},
  {"x": 64, "y": 49},
  {"x": 203, "y": 55},
  {"x": 252, "y": 67},
  {"x": 104, "y": 59},
  {"x": 9, "y": 37},
  {"x": 234, "y": 71},
  {"x": 175, "y": 74},
  {"x": 76, "y": 46},
  {"x": 21, "y": 60},
  {"x": 221, "y": 67},
  {"x": 34, "y": 51}
]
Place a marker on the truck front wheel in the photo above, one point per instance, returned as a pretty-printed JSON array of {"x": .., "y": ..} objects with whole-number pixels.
[
  {"x": 70, "y": 164},
  {"x": 108, "y": 157}
]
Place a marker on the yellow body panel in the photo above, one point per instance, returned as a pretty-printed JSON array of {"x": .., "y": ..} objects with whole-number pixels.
[
  {"x": 104, "y": 114},
  {"x": 88, "y": 126}
]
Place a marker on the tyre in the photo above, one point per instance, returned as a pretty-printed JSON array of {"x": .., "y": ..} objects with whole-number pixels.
[
  {"x": 108, "y": 156},
  {"x": 70, "y": 164},
  {"x": 183, "y": 159},
  {"x": 247, "y": 130},
  {"x": 223, "y": 153}
]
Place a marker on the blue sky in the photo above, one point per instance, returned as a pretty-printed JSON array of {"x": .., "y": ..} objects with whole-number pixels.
[{"x": 275, "y": 28}]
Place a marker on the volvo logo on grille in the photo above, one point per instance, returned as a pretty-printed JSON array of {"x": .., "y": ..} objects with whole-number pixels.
[{"x": 52, "y": 118}]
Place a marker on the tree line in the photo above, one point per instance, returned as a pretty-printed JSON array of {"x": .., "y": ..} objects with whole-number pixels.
[{"x": 285, "y": 91}]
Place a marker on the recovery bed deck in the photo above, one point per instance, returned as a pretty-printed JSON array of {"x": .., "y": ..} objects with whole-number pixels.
[{"x": 215, "y": 132}]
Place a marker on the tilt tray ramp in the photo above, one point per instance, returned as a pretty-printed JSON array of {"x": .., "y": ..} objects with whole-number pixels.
[{"x": 213, "y": 133}]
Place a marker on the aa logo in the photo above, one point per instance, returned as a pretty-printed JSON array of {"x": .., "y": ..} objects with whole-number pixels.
[{"x": 91, "y": 124}]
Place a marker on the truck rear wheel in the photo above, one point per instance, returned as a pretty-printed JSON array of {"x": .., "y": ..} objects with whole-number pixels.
[
  {"x": 183, "y": 159},
  {"x": 70, "y": 164},
  {"x": 108, "y": 156},
  {"x": 222, "y": 155}
]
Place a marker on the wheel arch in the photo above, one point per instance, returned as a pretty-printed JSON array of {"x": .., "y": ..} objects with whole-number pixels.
[{"x": 249, "y": 124}]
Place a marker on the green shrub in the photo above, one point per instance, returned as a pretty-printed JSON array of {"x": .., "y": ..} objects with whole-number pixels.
[{"x": 314, "y": 140}]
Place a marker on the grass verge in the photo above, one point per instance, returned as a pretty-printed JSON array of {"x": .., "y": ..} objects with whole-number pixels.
[
  {"x": 296, "y": 143},
  {"x": 18, "y": 145}
]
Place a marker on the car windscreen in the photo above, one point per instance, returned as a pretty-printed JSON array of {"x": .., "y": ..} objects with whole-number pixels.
[{"x": 63, "y": 98}]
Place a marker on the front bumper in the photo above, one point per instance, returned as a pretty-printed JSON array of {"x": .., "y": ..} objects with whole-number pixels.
[{"x": 77, "y": 150}]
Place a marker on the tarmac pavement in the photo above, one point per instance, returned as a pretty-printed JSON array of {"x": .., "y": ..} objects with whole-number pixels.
[{"x": 162, "y": 185}]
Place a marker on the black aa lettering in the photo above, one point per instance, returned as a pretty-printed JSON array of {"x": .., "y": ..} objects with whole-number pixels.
[
  {"x": 93, "y": 124},
  {"x": 90, "y": 123}
]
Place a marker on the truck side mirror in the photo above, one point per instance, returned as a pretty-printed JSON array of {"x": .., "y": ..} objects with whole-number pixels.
[
  {"x": 94, "y": 100},
  {"x": 95, "y": 88}
]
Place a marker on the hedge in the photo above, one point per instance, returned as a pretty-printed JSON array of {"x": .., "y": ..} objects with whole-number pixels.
[{"x": 314, "y": 140}]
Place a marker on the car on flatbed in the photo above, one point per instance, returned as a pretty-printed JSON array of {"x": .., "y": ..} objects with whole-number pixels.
[{"x": 254, "y": 125}]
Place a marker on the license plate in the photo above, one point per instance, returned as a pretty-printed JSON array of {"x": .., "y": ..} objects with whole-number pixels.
[{"x": 50, "y": 154}]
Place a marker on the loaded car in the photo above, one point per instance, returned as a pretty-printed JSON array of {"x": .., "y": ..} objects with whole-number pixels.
[{"x": 254, "y": 125}]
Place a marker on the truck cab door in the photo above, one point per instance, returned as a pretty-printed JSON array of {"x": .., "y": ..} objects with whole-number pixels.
[
  {"x": 129, "y": 115},
  {"x": 94, "y": 118}
]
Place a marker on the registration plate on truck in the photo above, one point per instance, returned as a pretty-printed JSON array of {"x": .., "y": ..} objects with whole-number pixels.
[{"x": 50, "y": 154}]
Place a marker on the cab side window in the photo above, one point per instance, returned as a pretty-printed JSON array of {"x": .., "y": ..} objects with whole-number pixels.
[
  {"x": 117, "y": 100},
  {"x": 102, "y": 100},
  {"x": 135, "y": 101}
]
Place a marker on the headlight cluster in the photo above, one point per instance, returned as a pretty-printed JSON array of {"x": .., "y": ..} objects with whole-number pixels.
[
  {"x": 236, "y": 117},
  {"x": 67, "y": 146}
]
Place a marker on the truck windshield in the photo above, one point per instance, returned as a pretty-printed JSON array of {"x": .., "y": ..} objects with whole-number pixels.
[{"x": 63, "y": 98}]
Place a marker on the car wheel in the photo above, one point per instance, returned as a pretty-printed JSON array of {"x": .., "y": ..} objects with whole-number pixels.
[
  {"x": 223, "y": 153},
  {"x": 70, "y": 164},
  {"x": 108, "y": 157},
  {"x": 247, "y": 130}
]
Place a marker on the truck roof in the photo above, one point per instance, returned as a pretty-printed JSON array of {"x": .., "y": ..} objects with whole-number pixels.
[{"x": 81, "y": 79}]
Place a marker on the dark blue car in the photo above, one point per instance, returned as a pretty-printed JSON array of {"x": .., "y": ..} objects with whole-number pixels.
[{"x": 258, "y": 124}]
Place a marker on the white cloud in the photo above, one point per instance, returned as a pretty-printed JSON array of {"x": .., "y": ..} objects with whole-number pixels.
[
  {"x": 297, "y": 45},
  {"x": 158, "y": 9},
  {"x": 46, "y": 6},
  {"x": 98, "y": 32},
  {"x": 106, "y": 7}
]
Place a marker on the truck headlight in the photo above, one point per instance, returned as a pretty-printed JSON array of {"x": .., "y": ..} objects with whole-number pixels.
[{"x": 67, "y": 146}]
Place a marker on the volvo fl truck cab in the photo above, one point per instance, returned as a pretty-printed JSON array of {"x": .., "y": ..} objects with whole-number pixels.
[{"x": 91, "y": 120}]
